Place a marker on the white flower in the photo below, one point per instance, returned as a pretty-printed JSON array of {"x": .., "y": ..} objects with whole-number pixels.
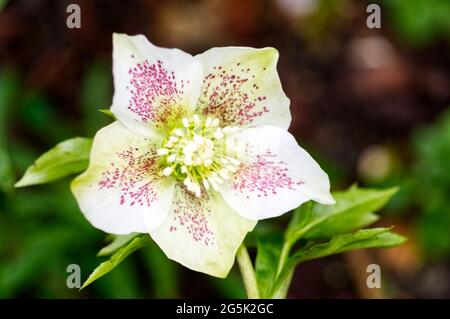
[{"x": 199, "y": 153}]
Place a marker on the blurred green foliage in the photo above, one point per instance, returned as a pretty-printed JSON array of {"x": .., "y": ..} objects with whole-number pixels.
[
  {"x": 3, "y": 4},
  {"x": 42, "y": 230},
  {"x": 419, "y": 22},
  {"x": 8, "y": 94},
  {"x": 428, "y": 187},
  {"x": 424, "y": 181}
]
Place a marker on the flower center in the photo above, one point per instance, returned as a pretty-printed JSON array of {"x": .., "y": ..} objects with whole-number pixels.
[{"x": 196, "y": 153}]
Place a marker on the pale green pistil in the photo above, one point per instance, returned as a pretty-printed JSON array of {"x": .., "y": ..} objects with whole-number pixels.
[{"x": 195, "y": 153}]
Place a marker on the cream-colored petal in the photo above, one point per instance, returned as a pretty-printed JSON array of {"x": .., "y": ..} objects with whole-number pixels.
[
  {"x": 121, "y": 191},
  {"x": 153, "y": 86},
  {"x": 276, "y": 175},
  {"x": 202, "y": 233},
  {"x": 241, "y": 87}
]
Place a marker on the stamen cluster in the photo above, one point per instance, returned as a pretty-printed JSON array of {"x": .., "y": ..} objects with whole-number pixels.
[{"x": 196, "y": 153}]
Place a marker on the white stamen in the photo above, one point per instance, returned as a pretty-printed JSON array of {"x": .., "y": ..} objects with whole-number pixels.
[
  {"x": 231, "y": 168},
  {"x": 189, "y": 149},
  {"x": 196, "y": 153},
  {"x": 168, "y": 170},
  {"x": 162, "y": 151},
  {"x": 196, "y": 119},
  {"x": 178, "y": 132},
  {"x": 171, "y": 158},
  {"x": 169, "y": 144},
  {"x": 198, "y": 139},
  {"x": 197, "y": 190}
]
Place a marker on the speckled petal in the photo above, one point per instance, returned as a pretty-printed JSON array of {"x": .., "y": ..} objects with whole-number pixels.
[
  {"x": 241, "y": 87},
  {"x": 203, "y": 233},
  {"x": 153, "y": 86},
  {"x": 276, "y": 175},
  {"x": 121, "y": 191}
]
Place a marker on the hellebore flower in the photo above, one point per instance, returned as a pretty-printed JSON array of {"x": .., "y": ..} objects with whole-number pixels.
[{"x": 199, "y": 152}]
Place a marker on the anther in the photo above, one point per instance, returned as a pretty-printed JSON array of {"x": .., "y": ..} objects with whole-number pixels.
[
  {"x": 162, "y": 151},
  {"x": 168, "y": 170}
]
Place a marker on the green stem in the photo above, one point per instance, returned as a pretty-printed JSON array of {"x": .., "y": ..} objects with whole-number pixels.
[
  {"x": 247, "y": 272},
  {"x": 281, "y": 287},
  {"x": 284, "y": 255},
  {"x": 282, "y": 284}
]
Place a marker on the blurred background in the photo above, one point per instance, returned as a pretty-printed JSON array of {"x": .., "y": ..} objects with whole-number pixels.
[{"x": 371, "y": 104}]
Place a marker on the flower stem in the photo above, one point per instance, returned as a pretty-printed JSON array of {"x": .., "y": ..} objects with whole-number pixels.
[
  {"x": 285, "y": 251},
  {"x": 282, "y": 284},
  {"x": 247, "y": 272}
]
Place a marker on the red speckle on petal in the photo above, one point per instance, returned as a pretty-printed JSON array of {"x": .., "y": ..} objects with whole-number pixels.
[
  {"x": 264, "y": 176},
  {"x": 134, "y": 175},
  {"x": 191, "y": 213},
  {"x": 154, "y": 92},
  {"x": 226, "y": 95}
]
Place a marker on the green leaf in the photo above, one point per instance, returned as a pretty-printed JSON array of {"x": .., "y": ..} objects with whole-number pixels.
[
  {"x": 117, "y": 242},
  {"x": 366, "y": 238},
  {"x": 313, "y": 223},
  {"x": 353, "y": 210},
  {"x": 108, "y": 112},
  {"x": 266, "y": 264},
  {"x": 66, "y": 158},
  {"x": 117, "y": 258}
]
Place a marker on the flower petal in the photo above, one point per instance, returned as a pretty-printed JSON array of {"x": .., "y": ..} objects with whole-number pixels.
[
  {"x": 202, "y": 233},
  {"x": 242, "y": 87},
  {"x": 276, "y": 175},
  {"x": 121, "y": 191},
  {"x": 153, "y": 85}
]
